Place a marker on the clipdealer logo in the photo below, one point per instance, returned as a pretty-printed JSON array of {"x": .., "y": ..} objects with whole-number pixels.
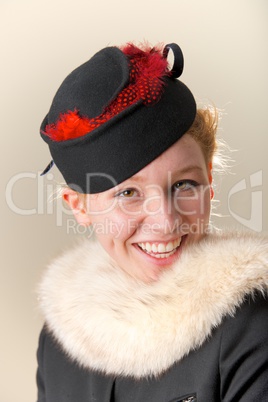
[
  {"x": 252, "y": 192},
  {"x": 250, "y": 188}
]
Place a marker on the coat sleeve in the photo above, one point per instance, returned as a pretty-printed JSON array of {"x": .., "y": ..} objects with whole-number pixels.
[
  {"x": 40, "y": 377},
  {"x": 244, "y": 353}
]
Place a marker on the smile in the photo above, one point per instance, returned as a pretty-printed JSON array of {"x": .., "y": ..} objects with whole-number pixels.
[{"x": 160, "y": 250}]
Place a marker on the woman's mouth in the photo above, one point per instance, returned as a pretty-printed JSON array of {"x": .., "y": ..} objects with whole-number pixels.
[{"x": 160, "y": 249}]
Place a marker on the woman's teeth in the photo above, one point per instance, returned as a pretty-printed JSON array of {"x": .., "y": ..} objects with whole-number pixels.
[{"x": 160, "y": 250}]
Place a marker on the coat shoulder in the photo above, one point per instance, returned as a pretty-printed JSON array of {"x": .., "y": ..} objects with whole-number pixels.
[{"x": 244, "y": 351}]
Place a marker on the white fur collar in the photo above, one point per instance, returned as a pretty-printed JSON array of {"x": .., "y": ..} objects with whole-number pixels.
[{"x": 107, "y": 321}]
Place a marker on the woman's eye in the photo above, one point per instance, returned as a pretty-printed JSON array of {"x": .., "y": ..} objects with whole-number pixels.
[
  {"x": 127, "y": 193},
  {"x": 185, "y": 185}
]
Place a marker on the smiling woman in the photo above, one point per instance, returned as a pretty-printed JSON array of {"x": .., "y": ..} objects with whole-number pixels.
[
  {"x": 160, "y": 210},
  {"x": 160, "y": 307}
]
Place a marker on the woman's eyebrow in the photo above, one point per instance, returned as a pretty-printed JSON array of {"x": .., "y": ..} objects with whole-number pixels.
[
  {"x": 136, "y": 178},
  {"x": 189, "y": 169}
]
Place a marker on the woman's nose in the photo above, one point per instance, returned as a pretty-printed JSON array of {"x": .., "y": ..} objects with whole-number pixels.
[{"x": 161, "y": 214}]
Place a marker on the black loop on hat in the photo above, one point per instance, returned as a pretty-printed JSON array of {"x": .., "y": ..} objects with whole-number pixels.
[
  {"x": 47, "y": 169},
  {"x": 177, "y": 68}
]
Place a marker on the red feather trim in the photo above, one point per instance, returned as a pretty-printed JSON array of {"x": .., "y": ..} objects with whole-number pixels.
[
  {"x": 70, "y": 125},
  {"x": 147, "y": 69}
]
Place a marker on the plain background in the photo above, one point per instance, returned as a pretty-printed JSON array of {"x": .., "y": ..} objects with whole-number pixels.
[{"x": 226, "y": 63}]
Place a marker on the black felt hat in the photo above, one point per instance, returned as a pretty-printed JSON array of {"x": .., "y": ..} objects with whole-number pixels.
[{"x": 115, "y": 114}]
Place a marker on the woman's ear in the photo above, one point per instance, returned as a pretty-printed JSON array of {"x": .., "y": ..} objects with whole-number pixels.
[{"x": 77, "y": 205}]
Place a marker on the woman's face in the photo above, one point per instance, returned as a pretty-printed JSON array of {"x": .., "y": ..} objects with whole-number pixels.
[{"x": 146, "y": 222}]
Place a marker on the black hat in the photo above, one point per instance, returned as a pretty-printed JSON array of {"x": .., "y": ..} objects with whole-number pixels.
[{"x": 115, "y": 114}]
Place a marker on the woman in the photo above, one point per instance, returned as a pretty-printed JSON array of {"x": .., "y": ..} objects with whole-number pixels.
[{"x": 158, "y": 308}]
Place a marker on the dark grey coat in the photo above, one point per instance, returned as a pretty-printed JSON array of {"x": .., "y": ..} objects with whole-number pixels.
[{"x": 231, "y": 366}]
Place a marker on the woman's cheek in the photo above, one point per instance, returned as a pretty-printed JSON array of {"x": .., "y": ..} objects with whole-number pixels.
[
  {"x": 115, "y": 226},
  {"x": 194, "y": 206}
]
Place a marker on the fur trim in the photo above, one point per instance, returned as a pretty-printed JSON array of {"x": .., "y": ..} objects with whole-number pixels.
[{"x": 107, "y": 321}]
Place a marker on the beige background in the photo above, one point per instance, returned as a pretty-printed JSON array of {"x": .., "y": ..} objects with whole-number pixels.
[{"x": 226, "y": 62}]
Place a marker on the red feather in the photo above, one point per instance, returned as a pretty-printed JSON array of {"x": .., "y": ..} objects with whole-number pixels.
[
  {"x": 69, "y": 125},
  {"x": 147, "y": 69}
]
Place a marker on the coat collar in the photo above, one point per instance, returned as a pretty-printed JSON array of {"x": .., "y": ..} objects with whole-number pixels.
[{"x": 107, "y": 321}]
